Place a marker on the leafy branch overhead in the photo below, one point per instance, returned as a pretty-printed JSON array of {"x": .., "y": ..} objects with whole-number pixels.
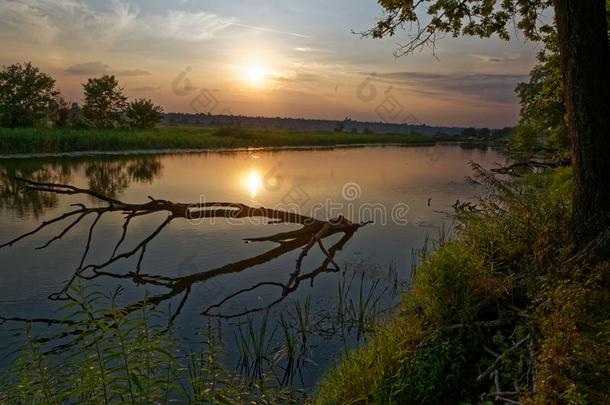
[{"x": 428, "y": 19}]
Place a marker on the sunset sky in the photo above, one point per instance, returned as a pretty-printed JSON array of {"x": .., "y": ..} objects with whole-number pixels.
[{"x": 271, "y": 58}]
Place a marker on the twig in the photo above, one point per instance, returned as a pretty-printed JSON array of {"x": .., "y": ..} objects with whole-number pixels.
[{"x": 493, "y": 365}]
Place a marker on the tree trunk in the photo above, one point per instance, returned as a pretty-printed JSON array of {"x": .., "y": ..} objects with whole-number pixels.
[{"x": 585, "y": 64}]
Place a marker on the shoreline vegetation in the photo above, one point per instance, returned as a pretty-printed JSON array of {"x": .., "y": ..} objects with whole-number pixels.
[
  {"x": 505, "y": 312},
  {"x": 60, "y": 141}
]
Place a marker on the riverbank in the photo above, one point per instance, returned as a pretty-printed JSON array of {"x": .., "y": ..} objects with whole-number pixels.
[
  {"x": 28, "y": 141},
  {"x": 504, "y": 313}
]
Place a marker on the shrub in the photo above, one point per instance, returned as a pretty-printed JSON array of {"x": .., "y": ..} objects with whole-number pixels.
[{"x": 144, "y": 114}]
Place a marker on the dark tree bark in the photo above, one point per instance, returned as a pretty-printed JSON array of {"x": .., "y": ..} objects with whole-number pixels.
[{"x": 585, "y": 63}]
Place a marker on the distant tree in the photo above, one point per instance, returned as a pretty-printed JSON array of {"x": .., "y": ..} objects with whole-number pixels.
[
  {"x": 525, "y": 138},
  {"x": 76, "y": 117},
  {"x": 144, "y": 114},
  {"x": 104, "y": 102},
  {"x": 469, "y": 132},
  {"x": 59, "y": 112},
  {"x": 25, "y": 95},
  {"x": 505, "y": 132},
  {"x": 484, "y": 132}
]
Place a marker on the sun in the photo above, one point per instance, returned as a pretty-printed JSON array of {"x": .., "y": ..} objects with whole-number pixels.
[{"x": 256, "y": 74}]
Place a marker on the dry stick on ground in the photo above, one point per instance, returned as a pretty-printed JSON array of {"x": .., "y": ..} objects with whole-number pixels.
[
  {"x": 312, "y": 232},
  {"x": 502, "y": 356}
]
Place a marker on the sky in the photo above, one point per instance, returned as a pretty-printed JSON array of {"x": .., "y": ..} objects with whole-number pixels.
[{"x": 266, "y": 58}]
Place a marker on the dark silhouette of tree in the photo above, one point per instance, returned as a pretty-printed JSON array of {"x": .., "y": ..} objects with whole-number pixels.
[
  {"x": 104, "y": 101},
  {"x": 59, "y": 112},
  {"x": 505, "y": 132},
  {"x": 484, "y": 132},
  {"x": 26, "y": 94},
  {"x": 144, "y": 114},
  {"x": 582, "y": 33},
  {"x": 469, "y": 132}
]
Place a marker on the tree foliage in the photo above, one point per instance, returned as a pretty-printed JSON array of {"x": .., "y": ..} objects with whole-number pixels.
[
  {"x": 482, "y": 18},
  {"x": 25, "y": 95},
  {"x": 542, "y": 97},
  {"x": 469, "y": 132},
  {"x": 144, "y": 113},
  {"x": 104, "y": 101}
]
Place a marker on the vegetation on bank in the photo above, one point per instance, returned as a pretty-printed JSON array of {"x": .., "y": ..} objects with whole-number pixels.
[
  {"x": 40, "y": 140},
  {"x": 504, "y": 312}
]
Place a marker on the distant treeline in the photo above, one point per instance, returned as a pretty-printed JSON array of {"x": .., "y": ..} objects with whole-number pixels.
[
  {"x": 346, "y": 125},
  {"x": 28, "y": 98}
]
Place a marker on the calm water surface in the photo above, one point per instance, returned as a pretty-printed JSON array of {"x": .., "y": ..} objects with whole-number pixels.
[{"x": 407, "y": 192}]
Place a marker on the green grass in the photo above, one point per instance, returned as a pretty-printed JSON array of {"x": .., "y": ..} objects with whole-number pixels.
[
  {"x": 41, "y": 140},
  {"x": 119, "y": 358},
  {"x": 498, "y": 309}
]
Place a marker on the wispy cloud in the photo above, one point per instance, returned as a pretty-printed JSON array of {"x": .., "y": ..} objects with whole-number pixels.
[
  {"x": 493, "y": 58},
  {"x": 90, "y": 68},
  {"x": 267, "y": 29},
  {"x": 134, "y": 72},
  {"x": 99, "y": 68},
  {"x": 185, "y": 26},
  {"x": 146, "y": 89},
  {"x": 490, "y": 87},
  {"x": 80, "y": 21}
]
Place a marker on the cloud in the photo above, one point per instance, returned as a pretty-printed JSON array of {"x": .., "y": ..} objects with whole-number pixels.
[
  {"x": 192, "y": 26},
  {"x": 298, "y": 77},
  {"x": 307, "y": 49},
  {"x": 99, "y": 68},
  {"x": 66, "y": 20},
  {"x": 90, "y": 68},
  {"x": 267, "y": 29},
  {"x": 493, "y": 58},
  {"x": 22, "y": 20},
  {"x": 146, "y": 89},
  {"x": 490, "y": 87},
  {"x": 135, "y": 72},
  {"x": 87, "y": 23}
]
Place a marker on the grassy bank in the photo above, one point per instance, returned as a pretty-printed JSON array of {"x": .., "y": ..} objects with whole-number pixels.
[
  {"x": 503, "y": 313},
  {"x": 40, "y": 140}
]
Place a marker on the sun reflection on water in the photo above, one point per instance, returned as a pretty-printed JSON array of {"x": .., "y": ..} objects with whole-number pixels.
[{"x": 253, "y": 183}]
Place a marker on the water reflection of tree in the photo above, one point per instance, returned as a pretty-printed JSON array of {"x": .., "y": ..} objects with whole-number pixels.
[
  {"x": 108, "y": 176},
  {"x": 112, "y": 177},
  {"x": 22, "y": 200}
]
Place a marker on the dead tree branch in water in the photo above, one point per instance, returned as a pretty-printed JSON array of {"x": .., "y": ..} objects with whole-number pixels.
[{"x": 311, "y": 233}]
